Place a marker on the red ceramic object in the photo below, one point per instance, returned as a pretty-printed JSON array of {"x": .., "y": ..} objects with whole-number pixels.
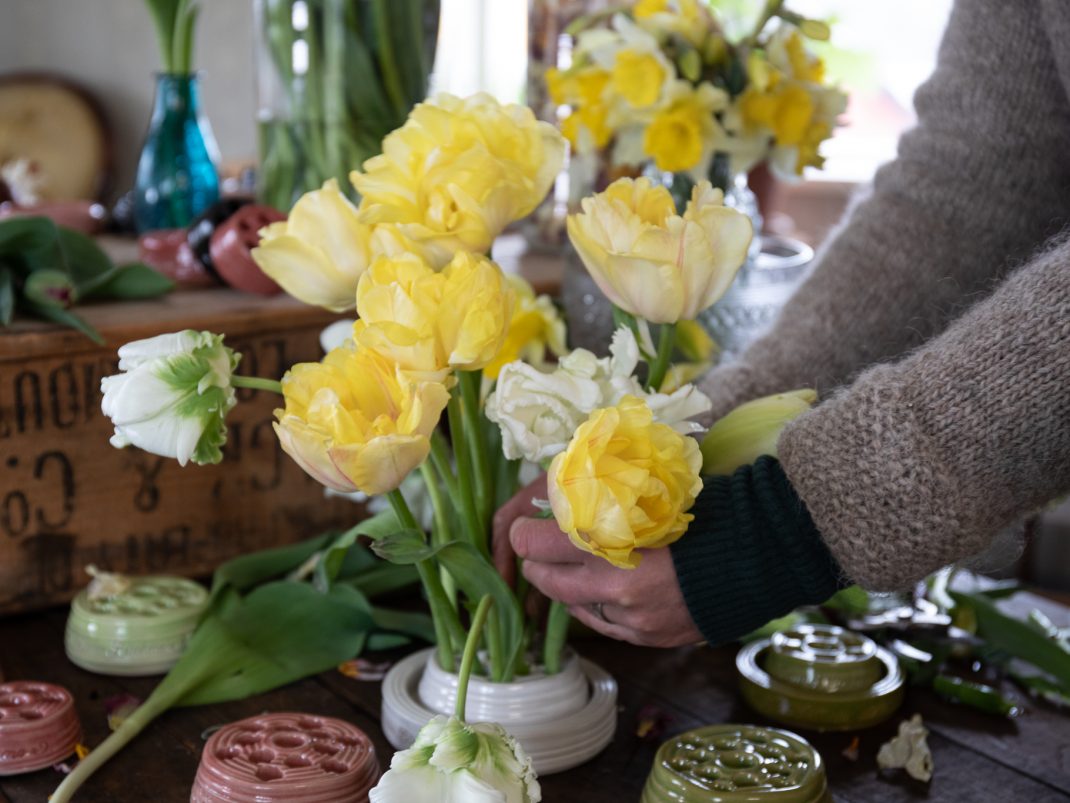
[
  {"x": 231, "y": 244},
  {"x": 167, "y": 251},
  {"x": 38, "y": 726},
  {"x": 286, "y": 757}
]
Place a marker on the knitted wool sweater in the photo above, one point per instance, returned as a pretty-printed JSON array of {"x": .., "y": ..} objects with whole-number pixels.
[{"x": 936, "y": 324}]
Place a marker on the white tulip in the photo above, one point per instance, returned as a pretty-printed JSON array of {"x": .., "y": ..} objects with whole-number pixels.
[
  {"x": 538, "y": 411},
  {"x": 455, "y": 762},
  {"x": 172, "y": 395}
]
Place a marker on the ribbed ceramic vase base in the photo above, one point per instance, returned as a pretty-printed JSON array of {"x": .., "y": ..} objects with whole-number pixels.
[
  {"x": 38, "y": 726},
  {"x": 286, "y": 757},
  {"x": 561, "y": 720}
]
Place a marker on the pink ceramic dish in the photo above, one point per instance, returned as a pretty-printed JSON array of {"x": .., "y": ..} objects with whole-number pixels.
[
  {"x": 38, "y": 726},
  {"x": 286, "y": 757}
]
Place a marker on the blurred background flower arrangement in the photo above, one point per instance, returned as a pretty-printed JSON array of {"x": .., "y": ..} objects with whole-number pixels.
[{"x": 660, "y": 85}]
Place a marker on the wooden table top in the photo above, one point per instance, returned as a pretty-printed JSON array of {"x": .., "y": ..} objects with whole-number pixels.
[{"x": 978, "y": 757}]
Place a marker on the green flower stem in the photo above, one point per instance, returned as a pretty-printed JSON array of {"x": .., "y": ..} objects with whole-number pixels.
[
  {"x": 387, "y": 66},
  {"x": 169, "y": 693},
  {"x": 469, "y": 512},
  {"x": 469, "y": 657},
  {"x": 772, "y": 9},
  {"x": 256, "y": 383},
  {"x": 495, "y": 652},
  {"x": 666, "y": 341},
  {"x": 556, "y": 632},
  {"x": 440, "y": 456},
  {"x": 441, "y": 530},
  {"x": 444, "y": 618},
  {"x": 470, "y": 382}
]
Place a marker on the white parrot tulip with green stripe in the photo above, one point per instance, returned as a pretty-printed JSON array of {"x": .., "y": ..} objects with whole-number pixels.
[{"x": 172, "y": 395}]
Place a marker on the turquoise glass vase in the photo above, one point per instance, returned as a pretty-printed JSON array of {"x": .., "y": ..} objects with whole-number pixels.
[{"x": 177, "y": 175}]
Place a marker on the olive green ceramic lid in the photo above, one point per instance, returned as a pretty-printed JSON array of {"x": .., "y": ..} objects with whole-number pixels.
[
  {"x": 821, "y": 677},
  {"x": 139, "y": 627},
  {"x": 736, "y": 763}
]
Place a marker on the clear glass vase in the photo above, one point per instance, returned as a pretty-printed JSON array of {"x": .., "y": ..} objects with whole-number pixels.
[
  {"x": 333, "y": 78},
  {"x": 177, "y": 175}
]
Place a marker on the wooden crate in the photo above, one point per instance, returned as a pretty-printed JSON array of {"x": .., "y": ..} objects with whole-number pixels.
[{"x": 68, "y": 499}]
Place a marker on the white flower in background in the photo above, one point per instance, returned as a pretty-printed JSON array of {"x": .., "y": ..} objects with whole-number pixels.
[
  {"x": 539, "y": 411},
  {"x": 172, "y": 396},
  {"x": 336, "y": 334},
  {"x": 23, "y": 181},
  {"x": 454, "y": 762}
]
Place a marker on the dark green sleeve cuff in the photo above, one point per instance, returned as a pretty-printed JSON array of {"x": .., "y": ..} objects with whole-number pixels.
[{"x": 752, "y": 554}]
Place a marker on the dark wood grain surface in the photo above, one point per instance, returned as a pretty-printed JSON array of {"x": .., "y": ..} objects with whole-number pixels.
[{"x": 978, "y": 757}]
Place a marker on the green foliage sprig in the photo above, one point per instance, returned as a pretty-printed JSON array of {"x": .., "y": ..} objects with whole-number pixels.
[
  {"x": 174, "y": 21},
  {"x": 45, "y": 269}
]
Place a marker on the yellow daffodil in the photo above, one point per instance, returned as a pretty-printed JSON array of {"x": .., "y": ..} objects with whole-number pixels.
[
  {"x": 431, "y": 322},
  {"x": 652, "y": 262},
  {"x": 458, "y": 171},
  {"x": 318, "y": 254},
  {"x": 583, "y": 91},
  {"x": 535, "y": 328},
  {"x": 680, "y": 138},
  {"x": 355, "y": 421},
  {"x": 624, "y": 483},
  {"x": 638, "y": 77},
  {"x": 687, "y": 19}
]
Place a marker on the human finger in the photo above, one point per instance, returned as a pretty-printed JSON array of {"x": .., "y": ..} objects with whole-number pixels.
[{"x": 542, "y": 540}]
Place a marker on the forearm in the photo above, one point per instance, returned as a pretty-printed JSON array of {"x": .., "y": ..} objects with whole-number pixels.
[
  {"x": 921, "y": 463},
  {"x": 752, "y": 554},
  {"x": 977, "y": 185}
]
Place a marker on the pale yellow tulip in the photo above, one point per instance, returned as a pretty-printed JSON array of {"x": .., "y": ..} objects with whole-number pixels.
[
  {"x": 458, "y": 172},
  {"x": 624, "y": 483},
  {"x": 656, "y": 264},
  {"x": 318, "y": 254},
  {"x": 356, "y": 422},
  {"x": 431, "y": 322}
]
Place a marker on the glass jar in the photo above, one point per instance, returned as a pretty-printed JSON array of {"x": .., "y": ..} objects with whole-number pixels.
[{"x": 333, "y": 78}]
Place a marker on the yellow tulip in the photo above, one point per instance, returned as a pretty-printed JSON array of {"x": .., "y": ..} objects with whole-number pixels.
[
  {"x": 356, "y": 422},
  {"x": 536, "y": 326},
  {"x": 458, "y": 172},
  {"x": 318, "y": 254},
  {"x": 656, "y": 264},
  {"x": 624, "y": 483},
  {"x": 431, "y": 322}
]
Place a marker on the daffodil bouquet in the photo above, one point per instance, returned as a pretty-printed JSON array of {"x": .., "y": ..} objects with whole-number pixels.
[
  {"x": 444, "y": 375},
  {"x": 659, "y": 82}
]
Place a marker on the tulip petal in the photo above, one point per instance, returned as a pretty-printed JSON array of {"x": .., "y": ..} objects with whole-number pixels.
[
  {"x": 381, "y": 464},
  {"x": 308, "y": 449},
  {"x": 303, "y": 271}
]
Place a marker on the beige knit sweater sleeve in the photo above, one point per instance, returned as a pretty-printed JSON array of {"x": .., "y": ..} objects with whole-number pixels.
[
  {"x": 921, "y": 462},
  {"x": 978, "y": 185}
]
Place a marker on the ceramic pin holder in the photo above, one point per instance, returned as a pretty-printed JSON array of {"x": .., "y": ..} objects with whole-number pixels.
[
  {"x": 737, "y": 763},
  {"x": 140, "y": 627},
  {"x": 38, "y": 726},
  {"x": 286, "y": 757},
  {"x": 820, "y": 677}
]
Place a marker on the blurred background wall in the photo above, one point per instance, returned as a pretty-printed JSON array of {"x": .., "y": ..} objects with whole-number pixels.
[{"x": 109, "y": 46}]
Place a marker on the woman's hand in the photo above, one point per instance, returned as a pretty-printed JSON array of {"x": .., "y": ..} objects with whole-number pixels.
[{"x": 643, "y": 606}]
